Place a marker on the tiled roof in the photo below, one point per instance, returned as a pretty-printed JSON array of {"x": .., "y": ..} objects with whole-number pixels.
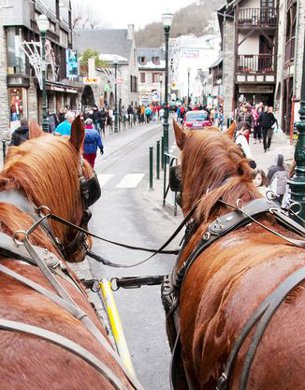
[{"x": 105, "y": 41}]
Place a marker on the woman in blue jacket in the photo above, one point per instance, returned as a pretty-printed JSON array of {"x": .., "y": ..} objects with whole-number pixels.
[{"x": 92, "y": 141}]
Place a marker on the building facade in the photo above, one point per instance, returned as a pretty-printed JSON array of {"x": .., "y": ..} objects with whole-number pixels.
[
  {"x": 20, "y": 92},
  {"x": 151, "y": 65},
  {"x": 118, "y": 44},
  {"x": 249, "y": 30}
]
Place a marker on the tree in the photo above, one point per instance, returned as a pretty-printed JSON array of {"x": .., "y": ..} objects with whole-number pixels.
[
  {"x": 85, "y": 16},
  {"x": 83, "y": 61}
]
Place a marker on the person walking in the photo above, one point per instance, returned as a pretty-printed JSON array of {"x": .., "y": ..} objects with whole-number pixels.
[
  {"x": 245, "y": 115},
  {"x": 64, "y": 128},
  {"x": 20, "y": 134},
  {"x": 277, "y": 177},
  {"x": 92, "y": 141},
  {"x": 266, "y": 120}
]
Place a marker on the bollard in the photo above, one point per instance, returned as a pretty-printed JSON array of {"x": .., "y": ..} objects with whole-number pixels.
[
  {"x": 158, "y": 160},
  {"x": 162, "y": 152},
  {"x": 151, "y": 149},
  {"x": 4, "y": 149}
]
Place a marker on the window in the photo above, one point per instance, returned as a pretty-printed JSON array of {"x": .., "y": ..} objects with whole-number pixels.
[
  {"x": 63, "y": 38},
  {"x": 142, "y": 77},
  {"x": 155, "y": 60},
  {"x": 142, "y": 60},
  {"x": 15, "y": 55},
  {"x": 156, "y": 77}
]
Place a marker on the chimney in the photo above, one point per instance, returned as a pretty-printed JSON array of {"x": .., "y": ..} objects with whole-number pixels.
[{"x": 130, "y": 31}]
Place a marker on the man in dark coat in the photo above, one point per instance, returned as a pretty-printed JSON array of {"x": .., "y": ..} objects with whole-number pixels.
[
  {"x": 266, "y": 120},
  {"x": 20, "y": 134}
]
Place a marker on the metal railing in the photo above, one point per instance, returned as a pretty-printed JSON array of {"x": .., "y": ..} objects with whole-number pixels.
[
  {"x": 264, "y": 16},
  {"x": 290, "y": 49},
  {"x": 255, "y": 63}
]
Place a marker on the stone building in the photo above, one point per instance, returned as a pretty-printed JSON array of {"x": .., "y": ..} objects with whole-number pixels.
[
  {"x": 151, "y": 64},
  {"x": 249, "y": 44},
  {"x": 110, "y": 44},
  {"x": 290, "y": 62},
  {"x": 20, "y": 94}
]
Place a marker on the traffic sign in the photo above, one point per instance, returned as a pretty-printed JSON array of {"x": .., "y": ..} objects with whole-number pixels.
[
  {"x": 91, "y": 80},
  {"x": 119, "y": 80}
]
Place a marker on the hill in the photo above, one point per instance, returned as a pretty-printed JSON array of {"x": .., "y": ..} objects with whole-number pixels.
[{"x": 193, "y": 19}]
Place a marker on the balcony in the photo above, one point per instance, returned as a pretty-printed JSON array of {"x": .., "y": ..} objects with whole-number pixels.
[
  {"x": 289, "y": 50},
  {"x": 257, "y": 17},
  {"x": 257, "y": 68}
]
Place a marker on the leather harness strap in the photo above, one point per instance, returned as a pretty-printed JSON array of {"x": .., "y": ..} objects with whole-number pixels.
[
  {"x": 262, "y": 317},
  {"x": 240, "y": 217},
  {"x": 67, "y": 344}
]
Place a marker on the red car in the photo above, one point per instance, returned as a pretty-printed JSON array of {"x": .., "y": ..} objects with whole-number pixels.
[{"x": 196, "y": 119}]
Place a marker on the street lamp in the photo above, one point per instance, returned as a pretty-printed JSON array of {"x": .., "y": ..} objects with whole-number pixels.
[
  {"x": 161, "y": 80},
  {"x": 43, "y": 26},
  {"x": 167, "y": 19},
  {"x": 188, "y": 86},
  {"x": 297, "y": 182},
  {"x": 115, "y": 63}
]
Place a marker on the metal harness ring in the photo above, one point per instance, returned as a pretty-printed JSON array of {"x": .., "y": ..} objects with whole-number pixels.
[{"x": 17, "y": 242}]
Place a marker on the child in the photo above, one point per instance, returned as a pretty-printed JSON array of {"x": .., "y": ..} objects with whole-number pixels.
[{"x": 260, "y": 181}]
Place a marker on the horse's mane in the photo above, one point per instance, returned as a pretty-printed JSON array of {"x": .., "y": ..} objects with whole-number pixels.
[
  {"x": 214, "y": 168},
  {"x": 45, "y": 169}
]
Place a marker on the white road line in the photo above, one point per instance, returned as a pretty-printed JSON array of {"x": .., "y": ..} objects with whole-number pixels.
[
  {"x": 103, "y": 178},
  {"x": 131, "y": 180}
]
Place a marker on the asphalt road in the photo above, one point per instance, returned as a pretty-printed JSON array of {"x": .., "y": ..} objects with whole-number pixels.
[{"x": 135, "y": 216}]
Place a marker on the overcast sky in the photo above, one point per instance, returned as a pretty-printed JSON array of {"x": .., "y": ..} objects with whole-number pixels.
[{"x": 120, "y": 13}]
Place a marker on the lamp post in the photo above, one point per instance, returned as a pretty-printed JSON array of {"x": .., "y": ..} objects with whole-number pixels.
[
  {"x": 115, "y": 63},
  {"x": 297, "y": 182},
  {"x": 167, "y": 21},
  {"x": 188, "y": 86},
  {"x": 43, "y": 25},
  {"x": 161, "y": 80}
]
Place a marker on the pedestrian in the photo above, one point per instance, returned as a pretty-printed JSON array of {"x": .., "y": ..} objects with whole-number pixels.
[
  {"x": 266, "y": 120},
  {"x": 92, "y": 141},
  {"x": 20, "y": 134},
  {"x": 245, "y": 115},
  {"x": 243, "y": 128},
  {"x": 257, "y": 131},
  {"x": 260, "y": 181},
  {"x": 64, "y": 128},
  {"x": 277, "y": 177}
]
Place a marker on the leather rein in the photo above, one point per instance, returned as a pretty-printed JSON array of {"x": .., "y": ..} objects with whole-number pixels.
[{"x": 241, "y": 216}]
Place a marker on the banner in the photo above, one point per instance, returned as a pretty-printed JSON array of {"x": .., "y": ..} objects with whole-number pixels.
[{"x": 71, "y": 63}]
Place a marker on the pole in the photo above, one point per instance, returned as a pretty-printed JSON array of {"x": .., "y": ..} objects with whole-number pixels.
[
  {"x": 166, "y": 113},
  {"x": 160, "y": 92},
  {"x": 297, "y": 182},
  {"x": 188, "y": 89},
  {"x": 115, "y": 99},
  {"x": 151, "y": 167},
  {"x": 45, "y": 122},
  {"x": 158, "y": 160},
  {"x": 4, "y": 149},
  {"x": 162, "y": 152}
]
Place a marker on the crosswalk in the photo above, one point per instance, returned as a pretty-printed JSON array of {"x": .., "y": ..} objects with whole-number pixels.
[{"x": 130, "y": 180}]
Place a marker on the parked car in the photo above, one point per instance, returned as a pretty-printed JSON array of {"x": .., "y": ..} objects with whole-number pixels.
[{"x": 196, "y": 119}]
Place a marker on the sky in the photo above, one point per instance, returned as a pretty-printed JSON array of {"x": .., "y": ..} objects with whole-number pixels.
[{"x": 120, "y": 13}]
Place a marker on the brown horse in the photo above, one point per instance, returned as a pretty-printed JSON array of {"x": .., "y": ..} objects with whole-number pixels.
[
  {"x": 222, "y": 281},
  {"x": 50, "y": 336}
]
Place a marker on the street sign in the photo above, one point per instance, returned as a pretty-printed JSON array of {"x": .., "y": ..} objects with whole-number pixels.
[
  {"x": 91, "y": 80},
  {"x": 119, "y": 80}
]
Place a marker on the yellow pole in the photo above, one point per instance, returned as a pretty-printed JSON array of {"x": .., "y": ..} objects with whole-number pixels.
[{"x": 116, "y": 325}]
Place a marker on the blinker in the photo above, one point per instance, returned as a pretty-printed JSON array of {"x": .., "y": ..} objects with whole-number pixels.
[
  {"x": 90, "y": 189},
  {"x": 175, "y": 181}
]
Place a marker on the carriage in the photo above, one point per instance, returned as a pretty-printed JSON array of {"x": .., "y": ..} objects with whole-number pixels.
[{"x": 234, "y": 317}]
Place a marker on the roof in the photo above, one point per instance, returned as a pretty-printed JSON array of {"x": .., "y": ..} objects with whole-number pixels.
[
  {"x": 216, "y": 63},
  {"x": 149, "y": 52},
  {"x": 105, "y": 41}
]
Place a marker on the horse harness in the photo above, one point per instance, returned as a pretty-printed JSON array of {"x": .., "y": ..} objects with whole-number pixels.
[
  {"x": 50, "y": 265},
  {"x": 241, "y": 216}
]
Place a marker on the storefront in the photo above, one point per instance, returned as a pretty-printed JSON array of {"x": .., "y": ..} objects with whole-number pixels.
[
  {"x": 17, "y": 98},
  {"x": 255, "y": 93}
]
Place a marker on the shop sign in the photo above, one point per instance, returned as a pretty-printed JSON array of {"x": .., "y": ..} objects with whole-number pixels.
[
  {"x": 256, "y": 89},
  {"x": 71, "y": 64},
  {"x": 91, "y": 80}
]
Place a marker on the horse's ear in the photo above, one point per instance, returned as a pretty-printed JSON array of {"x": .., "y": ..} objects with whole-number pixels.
[
  {"x": 231, "y": 130},
  {"x": 77, "y": 133},
  {"x": 179, "y": 134},
  {"x": 35, "y": 130}
]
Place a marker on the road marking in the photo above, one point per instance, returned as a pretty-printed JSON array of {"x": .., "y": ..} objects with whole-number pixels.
[
  {"x": 103, "y": 178},
  {"x": 131, "y": 180}
]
